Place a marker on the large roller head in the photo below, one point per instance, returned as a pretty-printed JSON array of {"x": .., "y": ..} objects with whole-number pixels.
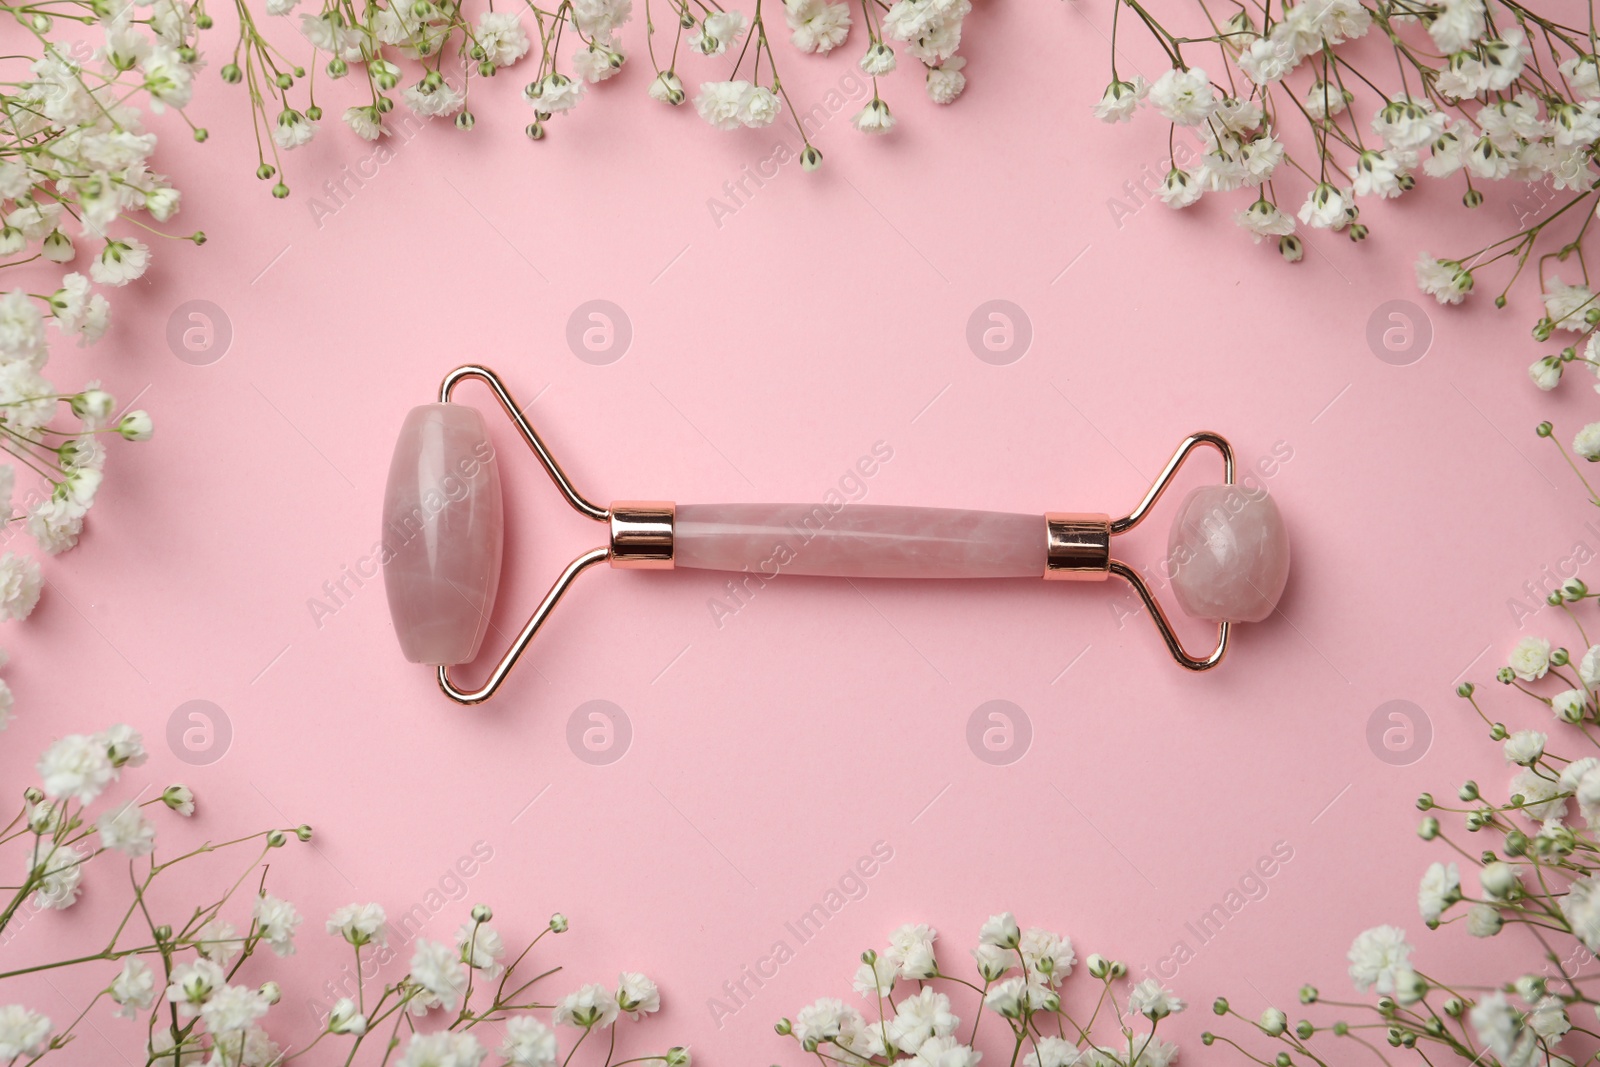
[
  {"x": 442, "y": 534},
  {"x": 1228, "y": 552}
]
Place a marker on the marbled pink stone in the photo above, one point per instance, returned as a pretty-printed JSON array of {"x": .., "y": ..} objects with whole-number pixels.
[
  {"x": 859, "y": 541},
  {"x": 1229, "y": 554},
  {"x": 442, "y": 534}
]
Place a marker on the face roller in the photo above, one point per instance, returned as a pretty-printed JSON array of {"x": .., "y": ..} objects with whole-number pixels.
[{"x": 1228, "y": 552}]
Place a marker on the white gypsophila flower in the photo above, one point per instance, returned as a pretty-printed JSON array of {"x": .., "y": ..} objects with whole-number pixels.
[
  {"x": 1121, "y": 99},
  {"x": 1549, "y": 1019},
  {"x": 292, "y": 130},
  {"x": 1565, "y": 305},
  {"x": 438, "y": 970},
  {"x": 1589, "y": 666},
  {"x": 123, "y": 744},
  {"x": 878, "y": 60},
  {"x": 20, "y": 582},
  {"x": 920, "y": 1017},
  {"x": 528, "y": 1043},
  {"x": 667, "y": 87},
  {"x": 22, "y": 1032},
  {"x": 1581, "y": 908},
  {"x": 438, "y": 101},
  {"x": 716, "y": 32},
  {"x": 78, "y": 310},
  {"x": 502, "y": 37},
  {"x": 722, "y": 103},
  {"x": 1498, "y": 879},
  {"x": 1052, "y": 1052},
  {"x": 346, "y": 1018},
  {"x": 637, "y": 995},
  {"x": 1008, "y": 998},
  {"x": 1546, "y": 372},
  {"x": 365, "y": 122},
  {"x": 179, "y": 798},
  {"x": 1588, "y": 442},
  {"x": 1440, "y": 888},
  {"x": 816, "y": 25},
  {"x": 1179, "y": 189},
  {"x": 1001, "y": 931},
  {"x": 1500, "y": 1028},
  {"x": 276, "y": 921},
  {"x": 191, "y": 984},
  {"x": 1263, "y": 219},
  {"x": 481, "y": 947},
  {"x": 1046, "y": 953},
  {"x": 823, "y": 1021},
  {"x": 360, "y": 924},
  {"x": 759, "y": 107},
  {"x": 232, "y": 1008},
  {"x": 875, "y": 979},
  {"x": 1377, "y": 956},
  {"x": 596, "y": 64},
  {"x": 590, "y": 1006},
  {"x": 1525, "y": 747},
  {"x": 1571, "y": 705},
  {"x": 1541, "y": 797},
  {"x": 1326, "y": 208},
  {"x": 250, "y": 1047},
  {"x": 443, "y": 1049},
  {"x": 218, "y": 941},
  {"x": 1447, "y": 281},
  {"x": 75, "y": 767},
  {"x": 1484, "y": 920},
  {"x": 993, "y": 961},
  {"x": 57, "y": 872},
  {"x": 554, "y": 94},
  {"x": 911, "y": 950},
  {"x": 946, "y": 1052},
  {"x": 874, "y": 118},
  {"x": 136, "y": 426},
  {"x": 946, "y": 82},
  {"x": 1184, "y": 97},
  {"x": 1153, "y": 1000},
  {"x": 134, "y": 989},
  {"x": 1376, "y": 174},
  {"x": 125, "y": 829},
  {"x": 1530, "y": 658},
  {"x": 1457, "y": 25},
  {"x": 124, "y": 259}
]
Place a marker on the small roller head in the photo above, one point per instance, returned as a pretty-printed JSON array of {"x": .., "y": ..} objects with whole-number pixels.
[
  {"x": 442, "y": 533},
  {"x": 1229, "y": 554}
]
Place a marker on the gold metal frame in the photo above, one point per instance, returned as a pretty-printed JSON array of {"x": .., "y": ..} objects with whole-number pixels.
[
  {"x": 579, "y": 504},
  {"x": 1138, "y": 514},
  {"x": 641, "y": 536}
]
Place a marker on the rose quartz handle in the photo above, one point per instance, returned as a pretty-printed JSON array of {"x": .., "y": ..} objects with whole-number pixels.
[{"x": 859, "y": 541}]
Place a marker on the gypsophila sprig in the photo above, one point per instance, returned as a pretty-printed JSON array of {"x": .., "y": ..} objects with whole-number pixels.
[
  {"x": 1018, "y": 979},
  {"x": 429, "y": 56},
  {"x": 1306, "y": 129},
  {"x": 176, "y": 989},
  {"x": 1528, "y": 875}
]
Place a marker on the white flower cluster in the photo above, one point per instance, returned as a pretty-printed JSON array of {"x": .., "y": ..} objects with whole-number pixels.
[
  {"x": 383, "y": 36},
  {"x": 74, "y": 162},
  {"x": 1488, "y": 90},
  {"x": 913, "y": 1024},
  {"x": 181, "y": 982}
]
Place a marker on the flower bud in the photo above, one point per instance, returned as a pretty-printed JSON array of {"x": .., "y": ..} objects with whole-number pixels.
[
  {"x": 1274, "y": 1022},
  {"x": 1429, "y": 828},
  {"x": 1219, "y": 1006},
  {"x": 271, "y": 993},
  {"x": 1303, "y": 1029},
  {"x": 482, "y": 913},
  {"x": 276, "y": 839},
  {"x": 677, "y": 1056},
  {"x": 303, "y": 832},
  {"x": 783, "y": 1027},
  {"x": 1560, "y": 657},
  {"x": 1465, "y": 690},
  {"x": 558, "y": 923},
  {"x": 1308, "y": 994},
  {"x": 1425, "y": 802},
  {"x": 1468, "y": 790}
]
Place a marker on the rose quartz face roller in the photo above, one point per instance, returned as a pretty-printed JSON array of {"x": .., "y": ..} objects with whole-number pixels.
[{"x": 1228, "y": 552}]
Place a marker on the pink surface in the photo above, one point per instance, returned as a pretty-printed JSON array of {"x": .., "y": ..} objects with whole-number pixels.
[{"x": 775, "y": 739}]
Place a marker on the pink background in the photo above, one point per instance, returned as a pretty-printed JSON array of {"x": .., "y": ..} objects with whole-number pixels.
[{"x": 770, "y": 350}]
